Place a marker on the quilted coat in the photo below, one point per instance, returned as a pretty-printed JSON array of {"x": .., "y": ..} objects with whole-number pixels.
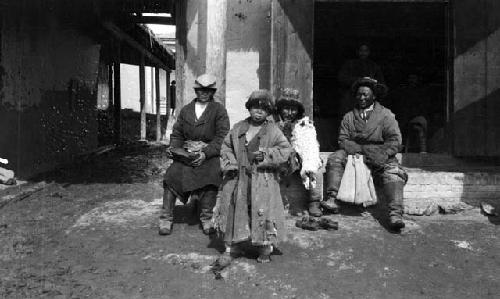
[
  {"x": 249, "y": 206},
  {"x": 211, "y": 128}
]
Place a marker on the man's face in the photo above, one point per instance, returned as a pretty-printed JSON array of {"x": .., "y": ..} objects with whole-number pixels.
[
  {"x": 364, "y": 97},
  {"x": 289, "y": 113},
  {"x": 204, "y": 95},
  {"x": 363, "y": 52},
  {"x": 258, "y": 115}
]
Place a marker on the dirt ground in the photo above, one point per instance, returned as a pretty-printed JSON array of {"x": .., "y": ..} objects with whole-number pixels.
[{"x": 91, "y": 233}]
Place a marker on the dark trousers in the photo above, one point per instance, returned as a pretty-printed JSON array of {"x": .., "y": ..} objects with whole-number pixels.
[
  {"x": 391, "y": 176},
  {"x": 206, "y": 198}
]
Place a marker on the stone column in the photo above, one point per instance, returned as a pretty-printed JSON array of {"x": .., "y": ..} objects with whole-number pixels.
[
  {"x": 117, "y": 103},
  {"x": 201, "y": 46},
  {"x": 157, "y": 103},
  {"x": 142, "y": 96},
  {"x": 216, "y": 45}
]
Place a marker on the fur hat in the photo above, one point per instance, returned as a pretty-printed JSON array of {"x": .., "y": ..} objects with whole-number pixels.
[
  {"x": 205, "y": 81},
  {"x": 261, "y": 98},
  {"x": 291, "y": 97},
  {"x": 379, "y": 89}
]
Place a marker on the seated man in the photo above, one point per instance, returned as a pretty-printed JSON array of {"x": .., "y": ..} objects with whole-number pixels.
[
  {"x": 305, "y": 161},
  {"x": 195, "y": 144},
  {"x": 370, "y": 129}
]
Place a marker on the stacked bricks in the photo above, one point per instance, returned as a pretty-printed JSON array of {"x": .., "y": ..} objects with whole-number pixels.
[{"x": 427, "y": 190}]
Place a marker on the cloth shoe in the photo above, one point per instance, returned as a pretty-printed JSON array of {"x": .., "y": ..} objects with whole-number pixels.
[
  {"x": 208, "y": 228},
  {"x": 328, "y": 224},
  {"x": 307, "y": 223},
  {"x": 314, "y": 209},
  {"x": 330, "y": 205},
  {"x": 165, "y": 227}
]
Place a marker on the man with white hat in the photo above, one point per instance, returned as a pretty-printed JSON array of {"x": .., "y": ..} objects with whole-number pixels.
[{"x": 195, "y": 145}]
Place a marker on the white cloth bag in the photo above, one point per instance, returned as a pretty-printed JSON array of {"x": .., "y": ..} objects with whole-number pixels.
[{"x": 357, "y": 186}]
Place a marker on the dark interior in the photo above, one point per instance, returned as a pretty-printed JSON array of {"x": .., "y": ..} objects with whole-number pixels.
[{"x": 404, "y": 38}]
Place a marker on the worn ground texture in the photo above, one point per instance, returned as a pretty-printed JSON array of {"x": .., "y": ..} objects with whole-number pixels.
[{"x": 91, "y": 232}]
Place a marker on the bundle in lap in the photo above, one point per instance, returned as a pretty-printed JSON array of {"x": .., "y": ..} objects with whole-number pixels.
[
  {"x": 357, "y": 185},
  {"x": 188, "y": 153}
]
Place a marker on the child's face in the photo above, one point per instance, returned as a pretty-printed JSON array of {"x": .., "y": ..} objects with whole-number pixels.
[
  {"x": 289, "y": 113},
  {"x": 258, "y": 115}
]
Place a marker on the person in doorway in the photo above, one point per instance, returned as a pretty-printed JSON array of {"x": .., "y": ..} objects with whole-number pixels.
[
  {"x": 250, "y": 208},
  {"x": 413, "y": 112},
  {"x": 304, "y": 160},
  {"x": 354, "y": 69},
  {"x": 370, "y": 129},
  {"x": 195, "y": 145},
  {"x": 173, "y": 95}
]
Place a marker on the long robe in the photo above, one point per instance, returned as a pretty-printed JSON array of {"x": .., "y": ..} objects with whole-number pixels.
[
  {"x": 249, "y": 206},
  {"x": 211, "y": 128}
]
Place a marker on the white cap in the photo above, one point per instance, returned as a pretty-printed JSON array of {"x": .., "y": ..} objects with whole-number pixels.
[{"x": 205, "y": 81}]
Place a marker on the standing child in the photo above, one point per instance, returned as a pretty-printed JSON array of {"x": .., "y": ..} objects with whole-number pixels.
[{"x": 250, "y": 207}]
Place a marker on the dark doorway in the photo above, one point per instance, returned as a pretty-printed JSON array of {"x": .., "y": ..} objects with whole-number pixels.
[{"x": 405, "y": 39}]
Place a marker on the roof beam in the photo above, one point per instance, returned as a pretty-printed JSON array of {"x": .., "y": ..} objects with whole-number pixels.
[
  {"x": 121, "y": 35},
  {"x": 153, "y": 20}
]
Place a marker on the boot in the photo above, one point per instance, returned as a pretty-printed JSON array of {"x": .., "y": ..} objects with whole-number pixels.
[
  {"x": 265, "y": 254},
  {"x": 394, "y": 195},
  {"x": 396, "y": 222},
  {"x": 314, "y": 209},
  {"x": 334, "y": 172},
  {"x": 167, "y": 218},
  {"x": 330, "y": 205},
  {"x": 315, "y": 194},
  {"x": 205, "y": 208}
]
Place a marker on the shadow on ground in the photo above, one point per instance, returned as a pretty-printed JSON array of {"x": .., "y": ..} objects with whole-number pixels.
[{"x": 133, "y": 162}]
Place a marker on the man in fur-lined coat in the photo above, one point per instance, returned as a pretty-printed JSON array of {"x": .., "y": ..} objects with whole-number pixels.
[
  {"x": 305, "y": 160},
  {"x": 370, "y": 129}
]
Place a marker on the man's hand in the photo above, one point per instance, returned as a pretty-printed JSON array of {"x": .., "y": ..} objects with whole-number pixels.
[
  {"x": 352, "y": 147},
  {"x": 375, "y": 155},
  {"x": 231, "y": 173},
  {"x": 197, "y": 162}
]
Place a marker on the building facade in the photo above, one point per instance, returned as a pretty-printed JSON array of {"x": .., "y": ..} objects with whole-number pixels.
[{"x": 273, "y": 44}]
